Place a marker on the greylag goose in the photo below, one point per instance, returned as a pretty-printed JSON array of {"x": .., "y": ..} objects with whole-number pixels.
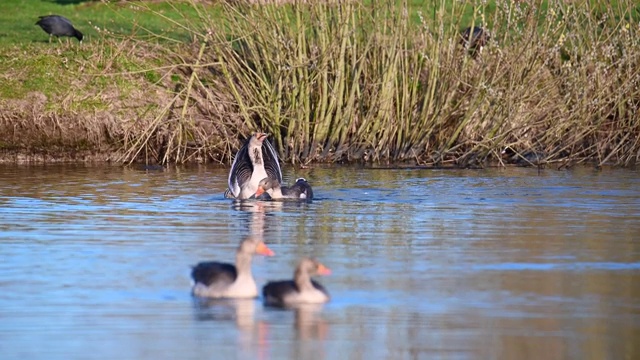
[
  {"x": 300, "y": 190},
  {"x": 56, "y": 25},
  {"x": 300, "y": 290},
  {"x": 255, "y": 160},
  {"x": 221, "y": 280}
]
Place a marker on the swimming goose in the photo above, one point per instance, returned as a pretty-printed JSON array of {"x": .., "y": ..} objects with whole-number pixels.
[
  {"x": 300, "y": 290},
  {"x": 255, "y": 160},
  {"x": 221, "y": 280},
  {"x": 300, "y": 190}
]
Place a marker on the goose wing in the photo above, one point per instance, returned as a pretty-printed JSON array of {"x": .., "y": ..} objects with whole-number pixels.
[
  {"x": 271, "y": 163},
  {"x": 275, "y": 292},
  {"x": 213, "y": 272},
  {"x": 242, "y": 167},
  {"x": 241, "y": 170}
]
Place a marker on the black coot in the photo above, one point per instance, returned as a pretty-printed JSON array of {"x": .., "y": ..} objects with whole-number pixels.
[
  {"x": 56, "y": 25},
  {"x": 474, "y": 39}
]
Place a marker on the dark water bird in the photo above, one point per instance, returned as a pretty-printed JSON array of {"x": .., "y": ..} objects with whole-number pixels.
[
  {"x": 255, "y": 160},
  {"x": 301, "y": 190},
  {"x": 474, "y": 39},
  {"x": 214, "y": 279},
  {"x": 301, "y": 290},
  {"x": 56, "y": 25},
  {"x": 525, "y": 158}
]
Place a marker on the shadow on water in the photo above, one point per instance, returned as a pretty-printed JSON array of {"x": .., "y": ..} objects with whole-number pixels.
[{"x": 501, "y": 263}]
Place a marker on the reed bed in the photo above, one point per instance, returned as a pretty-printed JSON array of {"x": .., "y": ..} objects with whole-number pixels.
[
  {"x": 351, "y": 81},
  {"x": 381, "y": 82}
]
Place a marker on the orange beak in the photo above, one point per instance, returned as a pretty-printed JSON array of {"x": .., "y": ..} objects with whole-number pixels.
[
  {"x": 323, "y": 270},
  {"x": 261, "y": 136},
  {"x": 259, "y": 192},
  {"x": 262, "y": 249}
]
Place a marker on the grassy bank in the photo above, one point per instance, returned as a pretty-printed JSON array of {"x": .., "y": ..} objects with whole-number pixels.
[{"x": 387, "y": 82}]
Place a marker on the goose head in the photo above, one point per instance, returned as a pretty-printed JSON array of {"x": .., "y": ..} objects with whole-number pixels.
[
  {"x": 267, "y": 185},
  {"x": 312, "y": 267}
]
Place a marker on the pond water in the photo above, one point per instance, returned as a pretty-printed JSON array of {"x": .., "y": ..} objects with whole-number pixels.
[{"x": 482, "y": 264}]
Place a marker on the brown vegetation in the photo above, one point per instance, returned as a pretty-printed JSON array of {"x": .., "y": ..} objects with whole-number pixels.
[{"x": 345, "y": 83}]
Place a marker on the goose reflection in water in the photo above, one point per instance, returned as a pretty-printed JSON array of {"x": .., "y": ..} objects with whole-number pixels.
[
  {"x": 257, "y": 213},
  {"x": 240, "y": 311},
  {"x": 309, "y": 322},
  {"x": 257, "y": 329}
]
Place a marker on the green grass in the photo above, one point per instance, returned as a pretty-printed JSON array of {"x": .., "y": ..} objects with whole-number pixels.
[
  {"x": 31, "y": 63},
  {"x": 165, "y": 19},
  {"x": 18, "y": 18},
  {"x": 156, "y": 19}
]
